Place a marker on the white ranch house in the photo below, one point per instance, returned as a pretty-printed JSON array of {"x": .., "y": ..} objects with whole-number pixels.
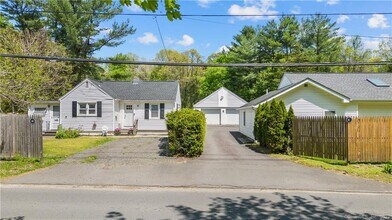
[
  {"x": 221, "y": 107},
  {"x": 327, "y": 94},
  {"x": 93, "y": 105}
]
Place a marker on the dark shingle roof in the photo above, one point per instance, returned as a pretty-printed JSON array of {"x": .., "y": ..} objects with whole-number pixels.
[
  {"x": 143, "y": 90},
  {"x": 354, "y": 86}
]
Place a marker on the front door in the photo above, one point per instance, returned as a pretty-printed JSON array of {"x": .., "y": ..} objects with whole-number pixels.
[
  {"x": 128, "y": 115},
  {"x": 55, "y": 119}
]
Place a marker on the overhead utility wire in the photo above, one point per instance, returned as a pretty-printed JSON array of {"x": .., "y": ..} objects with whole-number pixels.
[
  {"x": 213, "y": 15},
  {"x": 163, "y": 42},
  {"x": 154, "y": 63}
]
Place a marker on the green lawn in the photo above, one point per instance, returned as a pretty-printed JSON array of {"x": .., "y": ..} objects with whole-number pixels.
[
  {"x": 363, "y": 170},
  {"x": 55, "y": 150}
]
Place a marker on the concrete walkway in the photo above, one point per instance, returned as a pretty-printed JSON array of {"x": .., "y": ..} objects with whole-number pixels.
[{"x": 225, "y": 163}]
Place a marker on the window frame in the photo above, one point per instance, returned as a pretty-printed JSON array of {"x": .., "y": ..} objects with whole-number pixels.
[
  {"x": 158, "y": 111},
  {"x": 330, "y": 112},
  {"x": 41, "y": 113},
  {"x": 88, "y": 109}
]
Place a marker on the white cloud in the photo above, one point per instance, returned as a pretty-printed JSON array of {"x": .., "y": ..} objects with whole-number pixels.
[
  {"x": 223, "y": 48},
  {"x": 371, "y": 44},
  {"x": 342, "y": 18},
  {"x": 134, "y": 8},
  {"x": 147, "y": 38},
  {"x": 329, "y": 2},
  {"x": 342, "y": 31},
  {"x": 254, "y": 7},
  {"x": 296, "y": 9},
  {"x": 378, "y": 21},
  {"x": 105, "y": 30},
  {"x": 205, "y": 3},
  {"x": 186, "y": 41}
]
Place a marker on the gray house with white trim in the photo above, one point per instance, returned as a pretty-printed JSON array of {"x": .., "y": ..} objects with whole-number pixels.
[
  {"x": 93, "y": 105},
  {"x": 327, "y": 94}
]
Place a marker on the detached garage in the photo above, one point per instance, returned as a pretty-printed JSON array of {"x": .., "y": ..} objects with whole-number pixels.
[{"x": 220, "y": 108}]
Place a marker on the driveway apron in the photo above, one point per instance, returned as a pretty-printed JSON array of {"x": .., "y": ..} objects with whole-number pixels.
[{"x": 224, "y": 163}]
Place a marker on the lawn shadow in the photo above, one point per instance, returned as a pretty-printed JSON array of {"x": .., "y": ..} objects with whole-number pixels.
[
  {"x": 286, "y": 207},
  {"x": 240, "y": 138}
]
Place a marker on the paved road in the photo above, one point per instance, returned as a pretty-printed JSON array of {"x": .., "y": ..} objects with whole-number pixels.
[
  {"x": 192, "y": 204},
  {"x": 225, "y": 163}
]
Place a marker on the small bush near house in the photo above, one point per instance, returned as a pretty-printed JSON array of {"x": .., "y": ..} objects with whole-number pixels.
[
  {"x": 187, "y": 128},
  {"x": 67, "y": 133},
  {"x": 117, "y": 131},
  {"x": 387, "y": 168}
]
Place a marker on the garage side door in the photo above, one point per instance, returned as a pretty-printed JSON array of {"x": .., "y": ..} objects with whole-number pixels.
[
  {"x": 233, "y": 117},
  {"x": 212, "y": 116}
]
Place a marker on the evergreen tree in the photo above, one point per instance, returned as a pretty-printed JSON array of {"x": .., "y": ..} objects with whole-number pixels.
[
  {"x": 25, "y": 13},
  {"x": 275, "y": 131},
  {"x": 121, "y": 71},
  {"x": 289, "y": 127}
]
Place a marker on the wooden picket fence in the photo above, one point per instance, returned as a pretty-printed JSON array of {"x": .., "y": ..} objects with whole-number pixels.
[
  {"x": 367, "y": 139},
  {"x": 20, "y": 135}
]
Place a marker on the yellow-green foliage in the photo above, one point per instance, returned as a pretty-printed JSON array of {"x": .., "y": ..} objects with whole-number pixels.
[
  {"x": 187, "y": 130},
  {"x": 55, "y": 150}
]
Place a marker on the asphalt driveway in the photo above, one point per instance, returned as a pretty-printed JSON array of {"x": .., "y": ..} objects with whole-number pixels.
[{"x": 224, "y": 163}]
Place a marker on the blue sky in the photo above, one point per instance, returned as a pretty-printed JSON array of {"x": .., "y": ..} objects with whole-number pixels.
[{"x": 209, "y": 34}]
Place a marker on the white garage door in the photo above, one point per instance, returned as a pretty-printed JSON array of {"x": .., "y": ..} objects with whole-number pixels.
[
  {"x": 212, "y": 116},
  {"x": 233, "y": 117}
]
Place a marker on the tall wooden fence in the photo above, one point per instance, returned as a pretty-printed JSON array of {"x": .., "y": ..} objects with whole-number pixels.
[
  {"x": 20, "y": 135},
  {"x": 367, "y": 139}
]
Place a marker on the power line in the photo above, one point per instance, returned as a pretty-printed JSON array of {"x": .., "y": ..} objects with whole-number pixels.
[
  {"x": 163, "y": 42},
  {"x": 155, "y": 63},
  {"x": 362, "y": 36},
  {"x": 213, "y": 15}
]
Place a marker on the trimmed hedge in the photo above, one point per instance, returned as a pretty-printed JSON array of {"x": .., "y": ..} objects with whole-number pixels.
[{"x": 187, "y": 129}]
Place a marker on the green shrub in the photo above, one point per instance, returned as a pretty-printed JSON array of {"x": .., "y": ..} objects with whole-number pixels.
[
  {"x": 387, "y": 168},
  {"x": 186, "y": 129},
  {"x": 66, "y": 133},
  {"x": 273, "y": 126}
]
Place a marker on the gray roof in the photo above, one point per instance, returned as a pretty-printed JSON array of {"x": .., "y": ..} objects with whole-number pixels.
[
  {"x": 142, "y": 90},
  {"x": 354, "y": 86}
]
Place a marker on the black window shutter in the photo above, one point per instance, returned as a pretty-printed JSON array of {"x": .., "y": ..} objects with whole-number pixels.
[
  {"x": 99, "y": 109},
  {"x": 162, "y": 107},
  {"x": 146, "y": 111},
  {"x": 74, "y": 109}
]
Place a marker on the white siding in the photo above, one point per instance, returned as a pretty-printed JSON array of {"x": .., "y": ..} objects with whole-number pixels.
[
  {"x": 312, "y": 101},
  {"x": 45, "y": 118},
  {"x": 247, "y": 127},
  {"x": 221, "y": 98},
  {"x": 375, "y": 109},
  {"x": 138, "y": 108},
  {"x": 81, "y": 93}
]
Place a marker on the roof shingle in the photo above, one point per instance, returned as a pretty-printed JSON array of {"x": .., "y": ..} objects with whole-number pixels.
[{"x": 142, "y": 90}]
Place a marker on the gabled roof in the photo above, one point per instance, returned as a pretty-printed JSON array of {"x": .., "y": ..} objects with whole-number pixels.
[
  {"x": 213, "y": 97},
  {"x": 140, "y": 90},
  {"x": 348, "y": 86},
  {"x": 353, "y": 85}
]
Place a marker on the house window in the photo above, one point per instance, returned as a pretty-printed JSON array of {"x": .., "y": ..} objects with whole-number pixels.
[
  {"x": 330, "y": 113},
  {"x": 87, "y": 109},
  {"x": 154, "y": 111},
  {"x": 128, "y": 107},
  {"x": 39, "y": 111},
  {"x": 244, "y": 118}
]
